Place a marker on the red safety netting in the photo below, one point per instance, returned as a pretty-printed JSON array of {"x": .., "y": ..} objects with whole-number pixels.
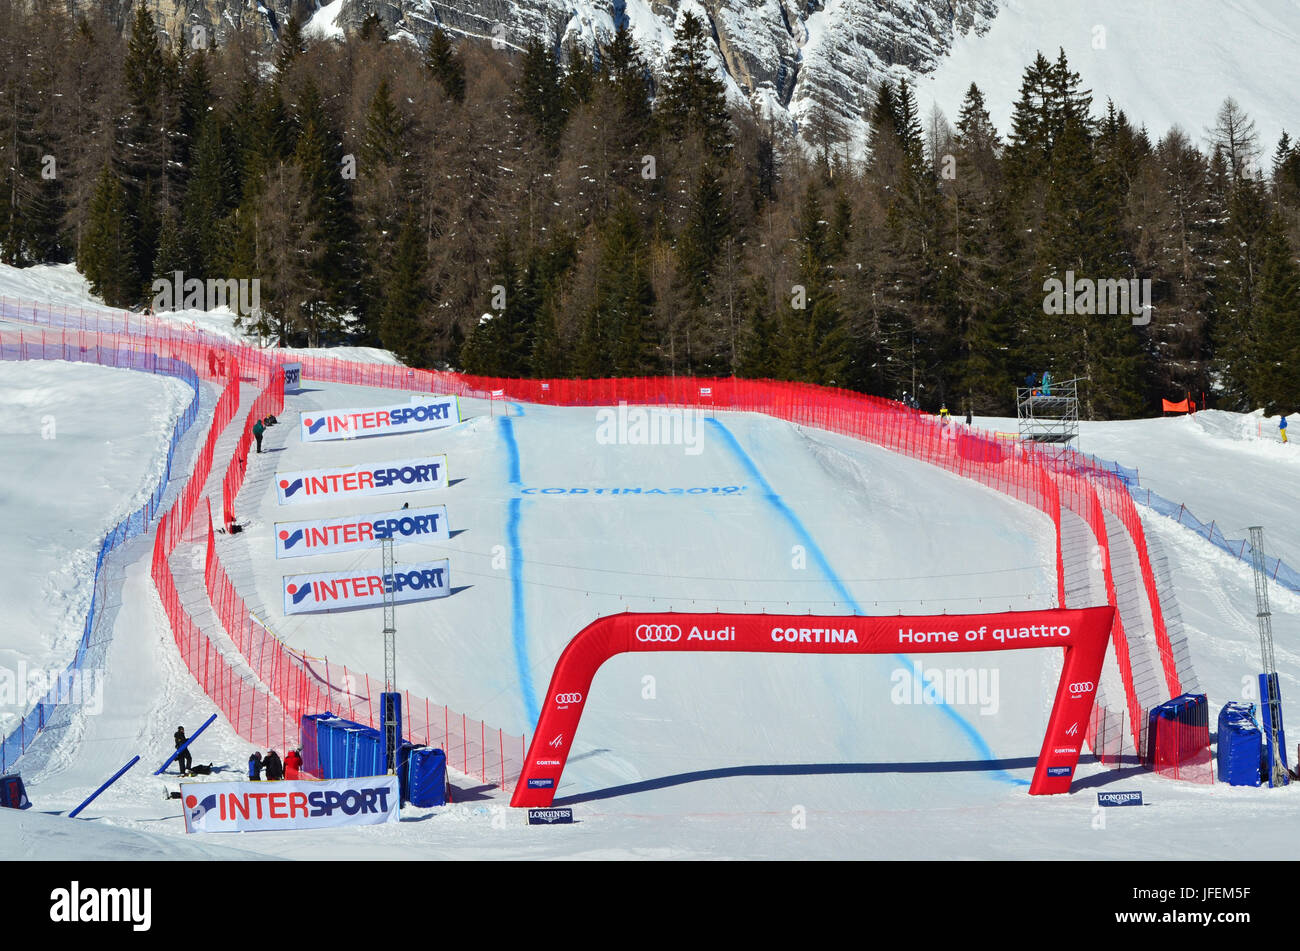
[{"x": 1022, "y": 473}]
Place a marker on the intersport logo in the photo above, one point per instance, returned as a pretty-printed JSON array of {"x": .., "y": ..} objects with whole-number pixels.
[
  {"x": 320, "y": 536},
  {"x": 386, "y": 478},
  {"x": 327, "y": 591},
  {"x": 432, "y": 412}
]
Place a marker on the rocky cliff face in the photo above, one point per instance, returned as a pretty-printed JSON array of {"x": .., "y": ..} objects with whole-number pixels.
[{"x": 783, "y": 57}]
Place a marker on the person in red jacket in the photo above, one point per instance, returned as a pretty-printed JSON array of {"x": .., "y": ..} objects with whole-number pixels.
[{"x": 292, "y": 763}]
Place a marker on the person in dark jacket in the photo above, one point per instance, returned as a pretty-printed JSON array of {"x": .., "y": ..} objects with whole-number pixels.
[
  {"x": 184, "y": 759},
  {"x": 258, "y": 429},
  {"x": 274, "y": 769},
  {"x": 255, "y": 766},
  {"x": 292, "y": 763}
]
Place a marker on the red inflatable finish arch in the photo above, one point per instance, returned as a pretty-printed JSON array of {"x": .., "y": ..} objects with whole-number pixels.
[{"x": 1083, "y": 633}]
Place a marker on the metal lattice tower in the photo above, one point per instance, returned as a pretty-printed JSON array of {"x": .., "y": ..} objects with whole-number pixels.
[
  {"x": 391, "y": 741},
  {"x": 1265, "y": 617},
  {"x": 1050, "y": 419}
]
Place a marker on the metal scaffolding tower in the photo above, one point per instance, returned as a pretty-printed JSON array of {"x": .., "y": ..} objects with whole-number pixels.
[
  {"x": 391, "y": 739},
  {"x": 1277, "y": 771},
  {"x": 1049, "y": 417}
]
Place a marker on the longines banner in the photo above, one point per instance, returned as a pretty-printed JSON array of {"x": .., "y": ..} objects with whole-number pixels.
[{"x": 432, "y": 412}]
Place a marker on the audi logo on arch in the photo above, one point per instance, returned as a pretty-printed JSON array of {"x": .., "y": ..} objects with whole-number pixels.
[
  {"x": 564, "y": 699},
  {"x": 658, "y": 633},
  {"x": 1084, "y": 686}
]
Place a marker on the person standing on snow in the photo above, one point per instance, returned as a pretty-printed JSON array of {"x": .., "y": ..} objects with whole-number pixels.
[
  {"x": 258, "y": 429},
  {"x": 274, "y": 770},
  {"x": 255, "y": 766},
  {"x": 184, "y": 760},
  {"x": 292, "y": 763},
  {"x": 1281, "y": 425}
]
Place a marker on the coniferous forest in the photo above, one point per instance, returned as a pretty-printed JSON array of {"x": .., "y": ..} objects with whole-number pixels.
[{"x": 549, "y": 213}]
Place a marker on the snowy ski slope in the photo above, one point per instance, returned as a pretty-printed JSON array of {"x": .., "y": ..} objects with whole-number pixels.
[{"x": 678, "y": 756}]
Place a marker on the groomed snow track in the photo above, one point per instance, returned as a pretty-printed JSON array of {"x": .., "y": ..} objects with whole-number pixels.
[{"x": 1102, "y": 553}]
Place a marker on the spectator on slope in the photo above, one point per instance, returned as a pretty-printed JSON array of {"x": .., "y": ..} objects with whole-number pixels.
[
  {"x": 258, "y": 429},
  {"x": 968, "y": 416},
  {"x": 1281, "y": 426},
  {"x": 255, "y": 766},
  {"x": 184, "y": 759},
  {"x": 943, "y": 414},
  {"x": 292, "y": 763},
  {"x": 274, "y": 769}
]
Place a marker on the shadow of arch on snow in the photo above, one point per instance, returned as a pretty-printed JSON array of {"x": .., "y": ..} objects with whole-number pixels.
[{"x": 799, "y": 769}]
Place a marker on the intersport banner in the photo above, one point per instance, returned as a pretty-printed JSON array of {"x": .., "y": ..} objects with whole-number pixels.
[
  {"x": 290, "y": 804},
  {"x": 346, "y": 482},
  {"x": 319, "y": 536},
  {"x": 431, "y": 412},
  {"x": 331, "y": 590}
]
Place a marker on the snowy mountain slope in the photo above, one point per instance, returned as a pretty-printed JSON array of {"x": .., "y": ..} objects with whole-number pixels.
[
  {"x": 1166, "y": 63},
  {"x": 1217, "y": 464},
  {"x": 721, "y": 756},
  {"x": 83, "y": 446}
]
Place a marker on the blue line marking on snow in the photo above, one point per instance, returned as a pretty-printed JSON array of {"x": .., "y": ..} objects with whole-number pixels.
[
  {"x": 518, "y": 625},
  {"x": 512, "y": 450},
  {"x": 805, "y": 538}
]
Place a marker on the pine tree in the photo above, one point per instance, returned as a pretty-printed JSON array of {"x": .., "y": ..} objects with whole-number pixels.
[
  {"x": 982, "y": 259},
  {"x": 620, "y": 334},
  {"x": 1275, "y": 383},
  {"x": 693, "y": 99},
  {"x": 372, "y": 29},
  {"x": 318, "y": 155},
  {"x": 707, "y": 226},
  {"x": 542, "y": 93},
  {"x": 814, "y": 341},
  {"x": 290, "y": 47},
  {"x": 446, "y": 66},
  {"x": 401, "y": 327},
  {"x": 1235, "y": 329},
  {"x": 105, "y": 255},
  {"x": 208, "y": 201}
]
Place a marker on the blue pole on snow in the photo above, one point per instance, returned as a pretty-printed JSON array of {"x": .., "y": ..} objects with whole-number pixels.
[
  {"x": 91, "y": 798},
  {"x": 185, "y": 745}
]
